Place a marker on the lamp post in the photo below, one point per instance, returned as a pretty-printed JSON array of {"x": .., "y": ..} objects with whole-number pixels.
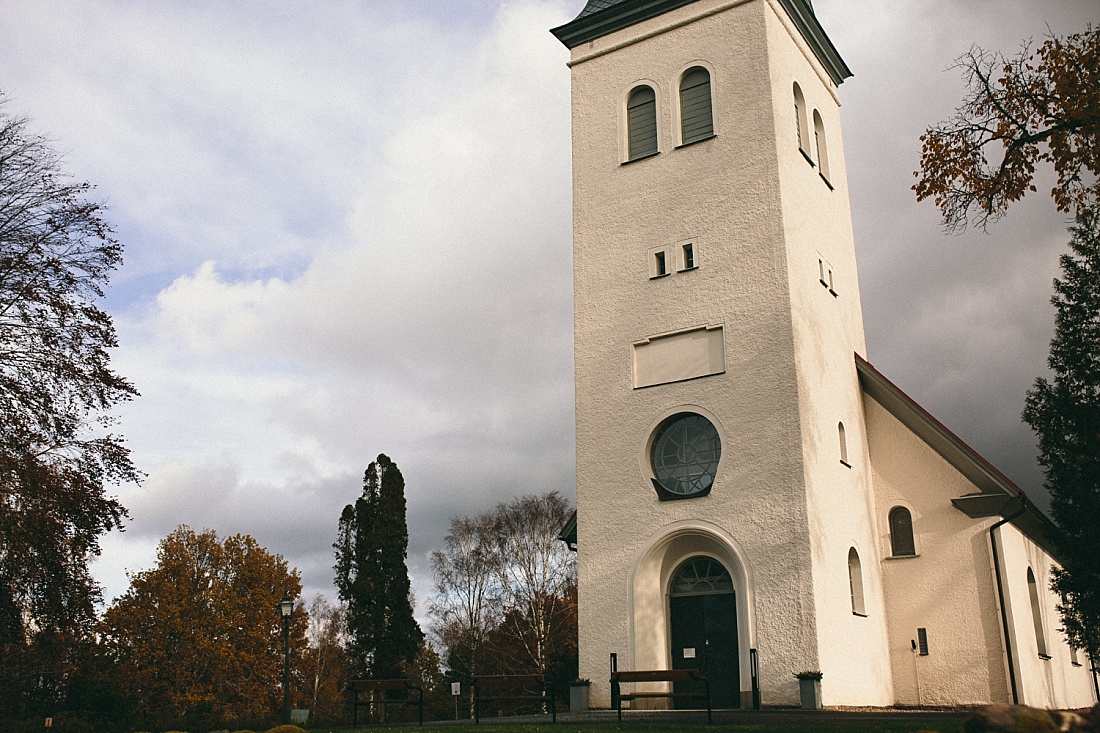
[{"x": 286, "y": 607}]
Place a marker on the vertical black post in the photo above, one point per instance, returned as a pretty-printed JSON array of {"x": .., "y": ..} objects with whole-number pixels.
[
  {"x": 616, "y": 703},
  {"x": 286, "y": 670},
  {"x": 754, "y": 670}
]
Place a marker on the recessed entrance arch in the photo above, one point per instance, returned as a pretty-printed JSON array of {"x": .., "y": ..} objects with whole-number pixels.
[
  {"x": 703, "y": 625},
  {"x": 656, "y": 584}
]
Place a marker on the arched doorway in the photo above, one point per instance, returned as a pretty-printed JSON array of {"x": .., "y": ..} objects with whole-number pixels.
[{"x": 703, "y": 624}]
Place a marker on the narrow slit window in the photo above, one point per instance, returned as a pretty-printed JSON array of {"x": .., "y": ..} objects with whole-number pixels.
[
  {"x": 659, "y": 266},
  {"x": 902, "y": 543},
  {"x": 922, "y": 642},
  {"x": 696, "y": 109},
  {"x": 843, "y": 444},
  {"x": 800, "y": 122},
  {"x": 641, "y": 123},
  {"x": 689, "y": 256},
  {"x": 821, "y": 147},
  {"x": 855, "y": 583},
  {"x": 825, "y": 276},
  {"x": 1037, "y": 615}
]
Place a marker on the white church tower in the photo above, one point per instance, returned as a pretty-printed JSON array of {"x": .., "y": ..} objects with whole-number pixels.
[{"x": 724, "y": 503}]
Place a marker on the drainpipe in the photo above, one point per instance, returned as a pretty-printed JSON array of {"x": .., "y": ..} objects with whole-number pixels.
[{"x": 1001, "y": 598}]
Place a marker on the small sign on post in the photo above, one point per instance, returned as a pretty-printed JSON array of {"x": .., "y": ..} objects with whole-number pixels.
[{"x": 456, "y": 690}]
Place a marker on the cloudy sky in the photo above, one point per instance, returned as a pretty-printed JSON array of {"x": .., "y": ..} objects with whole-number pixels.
[{"x": 348, "y": 232}]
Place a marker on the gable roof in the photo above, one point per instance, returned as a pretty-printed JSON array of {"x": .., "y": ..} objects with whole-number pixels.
[
  {"x": 603, "y": 17},
  {"x": 997, "y": 495}
]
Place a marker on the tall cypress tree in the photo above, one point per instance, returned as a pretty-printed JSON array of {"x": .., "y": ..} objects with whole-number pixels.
[
  {"x": 1065, "y": 413},
  {"x": 372, "y": 577}
]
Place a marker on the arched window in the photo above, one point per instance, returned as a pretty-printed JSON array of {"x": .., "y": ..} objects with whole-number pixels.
[
  {"x": 843, "y": 443},
  {"x": 855, "y": 581},
  {"x": 696, "y": 114},
  {"x": 800, "y": 120},
  {"x": 641, "y": 123},
  {"x": 901, "y": 533},
  {"x": 1037, "y": 614},
  {"x": 701, "y": 576},
  {"x": 821, "y": 147}
]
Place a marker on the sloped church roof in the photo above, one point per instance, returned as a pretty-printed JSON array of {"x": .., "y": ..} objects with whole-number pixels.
[{"x": 603, "y": 17}]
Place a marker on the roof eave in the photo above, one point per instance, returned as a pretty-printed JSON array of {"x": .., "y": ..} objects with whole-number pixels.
[
  {"x": 587, "y": 28},
  {"x": 997, "y": 495}
]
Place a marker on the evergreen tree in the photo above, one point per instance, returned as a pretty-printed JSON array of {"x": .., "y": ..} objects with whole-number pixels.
[
  {"x": 1065, "y": 414},
  {"x": 372, "y": 576}
]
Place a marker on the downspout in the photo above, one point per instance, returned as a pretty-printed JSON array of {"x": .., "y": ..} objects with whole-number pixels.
[{"x": 1001, "y": 599}]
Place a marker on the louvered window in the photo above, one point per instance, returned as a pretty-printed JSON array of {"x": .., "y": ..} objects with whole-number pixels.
[
  {"x": 641, "y": 123},
  {"x": 696, "y": 118}
]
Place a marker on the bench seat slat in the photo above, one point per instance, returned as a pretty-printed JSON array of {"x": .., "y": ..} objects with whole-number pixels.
[{"x": 657, "y": 675}]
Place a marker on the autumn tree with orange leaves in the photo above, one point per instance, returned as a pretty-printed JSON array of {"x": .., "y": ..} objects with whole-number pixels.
[
  {"x": 198, "y": 638},
  {"x": 1041, "y": 106}
]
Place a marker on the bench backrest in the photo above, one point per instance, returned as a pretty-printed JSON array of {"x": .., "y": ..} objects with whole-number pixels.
[
  {"x": 657, "y": 675},
  {"x": 367, "y": 685}
]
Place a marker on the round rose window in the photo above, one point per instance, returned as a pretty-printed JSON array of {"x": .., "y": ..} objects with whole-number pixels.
[{"x": 684, "y": 456}]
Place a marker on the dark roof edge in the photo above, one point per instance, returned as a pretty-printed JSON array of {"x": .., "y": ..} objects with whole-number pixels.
[
  {"x": 568, "y": 533},
  {"x": 802, "y": 14},
  {"x": 999, "y": 495},
  {"x": 587, "y": 28}
]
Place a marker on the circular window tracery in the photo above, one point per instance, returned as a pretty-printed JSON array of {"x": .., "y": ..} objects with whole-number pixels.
[{"x": 684, "y": 456}]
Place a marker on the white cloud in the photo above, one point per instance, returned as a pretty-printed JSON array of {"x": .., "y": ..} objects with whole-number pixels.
[
  {"x": 348, "y": 231},
  {"x": 438, "y": 330}
]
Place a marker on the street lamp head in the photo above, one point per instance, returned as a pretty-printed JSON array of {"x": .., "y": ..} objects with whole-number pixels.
[{"x": 286, "y": 606}]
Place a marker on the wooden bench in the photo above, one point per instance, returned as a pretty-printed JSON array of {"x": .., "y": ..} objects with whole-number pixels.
[
  {"x": 496, "y": 687},
  {"x": 380, "y": 688},
  {"x": 657, "y": 675}
]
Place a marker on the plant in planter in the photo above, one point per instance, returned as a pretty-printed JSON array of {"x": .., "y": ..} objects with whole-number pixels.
[
  {"x": 578, "y": 695},
  {"x": 809, "y": 689}
]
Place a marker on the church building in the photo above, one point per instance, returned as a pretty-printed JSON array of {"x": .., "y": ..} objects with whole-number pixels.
[{"x": 754, "y": 498}]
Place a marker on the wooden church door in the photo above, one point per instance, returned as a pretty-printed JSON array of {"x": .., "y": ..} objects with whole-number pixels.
[{"x": 703, "y": 611}]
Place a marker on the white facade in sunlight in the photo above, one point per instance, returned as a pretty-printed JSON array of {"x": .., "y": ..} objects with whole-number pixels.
[{"x": 753, "y": 498}]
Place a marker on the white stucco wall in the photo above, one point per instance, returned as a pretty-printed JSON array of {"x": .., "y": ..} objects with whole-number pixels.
[
  {"x": 949, "y": 588},
  {"x": 828, "y": 329},
  {"x": 1053, "y": 682},
  {"x": 723, "y": 193}
]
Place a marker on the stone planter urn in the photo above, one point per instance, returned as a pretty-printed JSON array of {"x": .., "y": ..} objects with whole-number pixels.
[
  {"x": 578, "y": 696},
  {"x": 809, "y": 690}
]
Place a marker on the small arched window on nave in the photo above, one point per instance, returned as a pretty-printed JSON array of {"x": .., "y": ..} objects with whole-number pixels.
[
  {"x": 902, "y": 543},
  {"x": 1037, "y": 615},
  {"x": 696, "y": 109},
  {"x": 641, "y": 123}
]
